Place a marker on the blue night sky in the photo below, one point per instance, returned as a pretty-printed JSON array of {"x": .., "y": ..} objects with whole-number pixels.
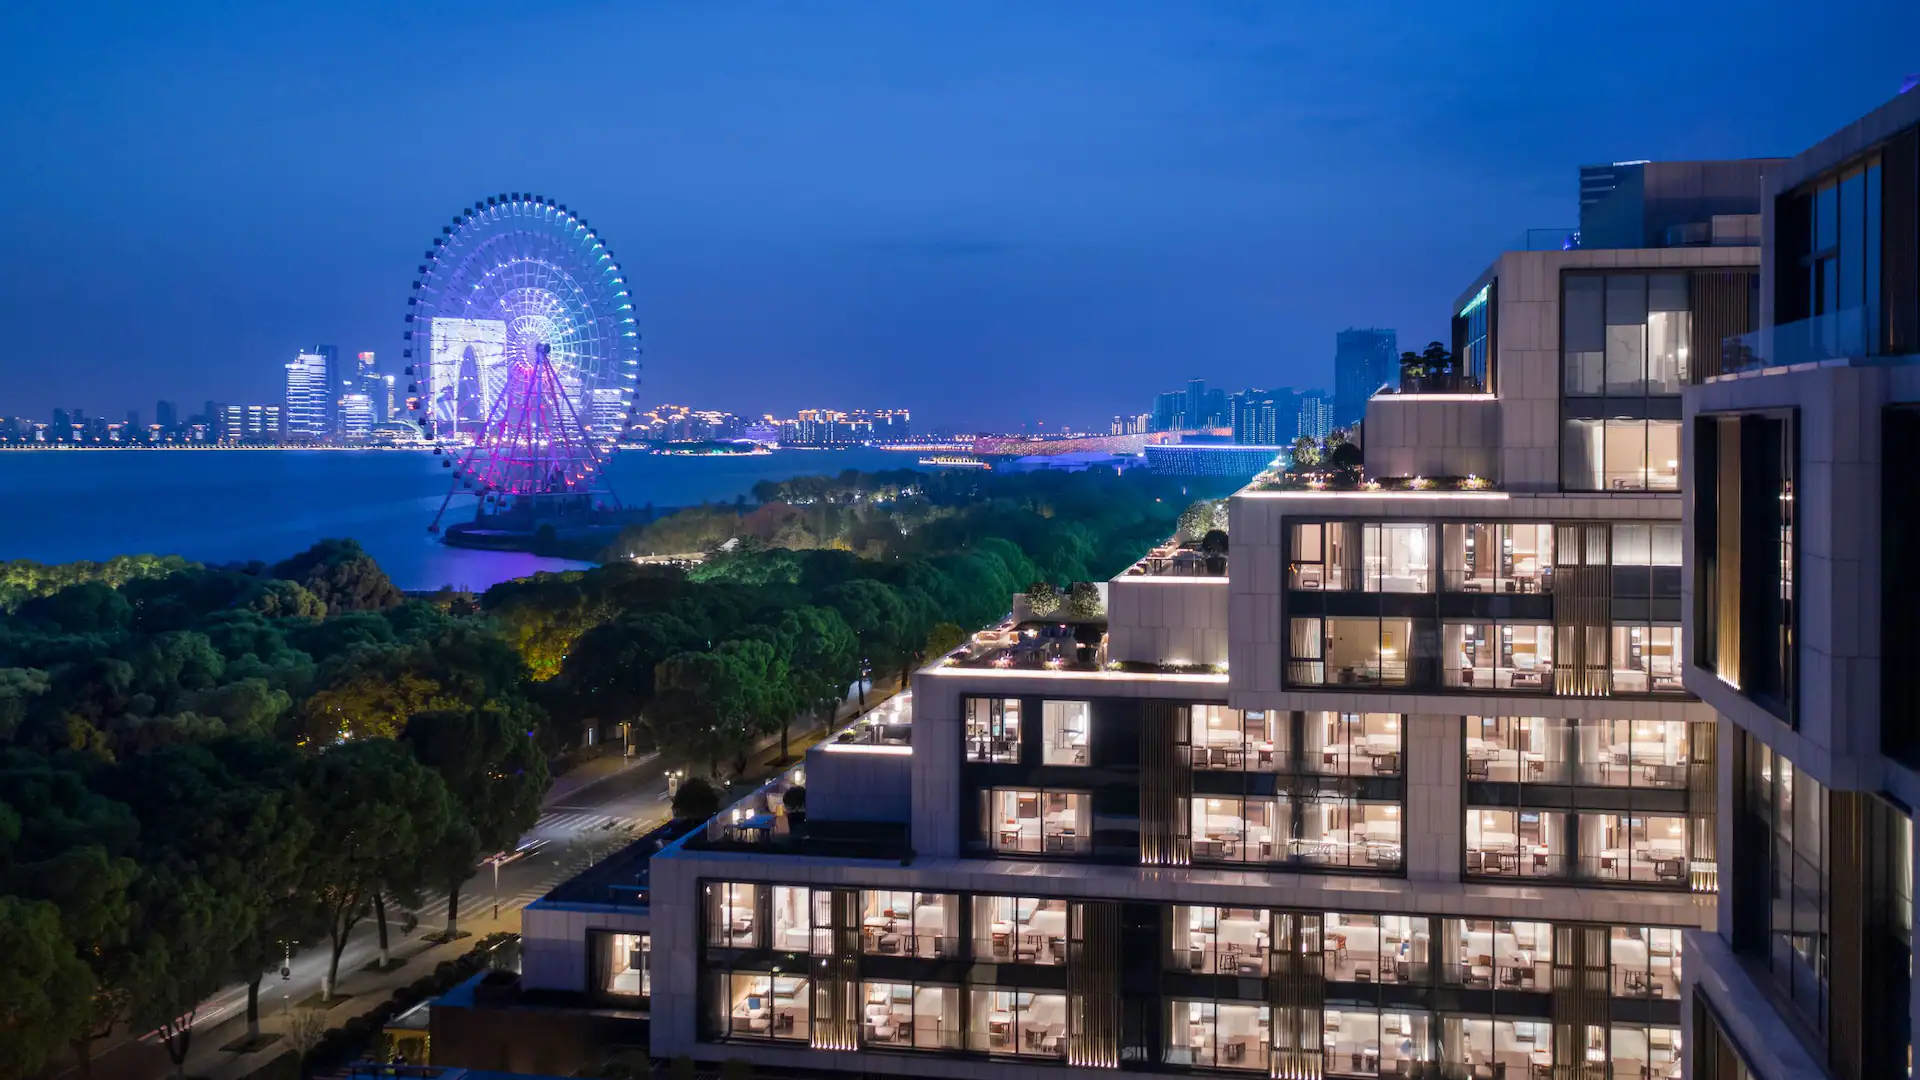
[{"x": 993, "y": 213}]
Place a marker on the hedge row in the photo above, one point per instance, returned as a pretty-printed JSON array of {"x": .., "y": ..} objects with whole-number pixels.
[{"x": 352, "y": 1040}]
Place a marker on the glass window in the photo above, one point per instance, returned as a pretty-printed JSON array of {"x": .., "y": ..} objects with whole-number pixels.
[
  {"x": 895, "y": 923},
  {"x": 768, "y": 1007},
  {"x": 1583, "y": 307},
  {"x": 1581, "y": 467},
  {"x": 1036, "y": 822},
  {"x": 1624, "y": 455},
  {"x": 1019, "y": 930},
  {"x": 1669, "y": 326},
  {"x": 1216, "y": 940},
  {"x": 1405, "y": 1041},
  {"x": 1650, "y": 848},
  {"x": 1353, "y": 744},
  {"x": 1493, "y": 1047},
  {"x": 1645, "y": 962},
  {"x": 732, "y": 919},
  {"x": 1826, "y": 217},
  {"x": 1398, "y": 559},
  {"x": 1352, "y": 1040},
  {"x": 1645, "y": 1053},
  {"x": 802, "y": 920},
  {"x": 1666, "y": 545},
  {"x": 911, "y": 1016},
  {"x": 1306, "y": 652},
  {"x": 993, "y": 730},
  {"x": 1222, "y": 738},
  {"x": 1023, "y": 1022},
  {"x": 1325, "y": 555},
  {"x": 1336, "y": 831},
  {"x": 1663, "y": 455},
  {"x": 1632, "y": 545},
  {"x": 1232, "y": 828},
  {"x": 1509, "y": 843},
  {"x": 1368, "y": 651},
  {"x": 1626, "y": 371},
  {"x": 1517, "y": 749},
  {"x": 1485, "y": 558},
  {"x": 1636, "y": 753},
  {"x": 1486, "y": 953},
  {"x": 624, "y": 965},
  {"x": 1219, "y": 1035},
  {"x": 1620, "y": 455},
  {"x": 1852, "y": 239},
  {"x": 1871, "y": 258},
  {"x": 1373, "y": 948},
  {"x": 1498, "y": 656},
  {"x": 1064, "y": 730},
  {"x": 1646, "y": 659},
  {"x": 1308, "y": 567}
]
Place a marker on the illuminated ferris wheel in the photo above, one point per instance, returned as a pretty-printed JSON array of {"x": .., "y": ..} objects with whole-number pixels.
[{"x": 522, "y": 354}]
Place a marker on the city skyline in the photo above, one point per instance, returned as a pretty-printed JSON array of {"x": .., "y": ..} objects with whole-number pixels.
[{"x": 946, "y": 236}]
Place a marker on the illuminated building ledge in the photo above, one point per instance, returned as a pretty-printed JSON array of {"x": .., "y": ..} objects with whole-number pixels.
[
  {"x": 1042, "y": 673},
  {"x": 1434, "y": 397},
  {"x": 1170, "y": 579},
  {"x": 1201, "y": 884},
  {"x": 884, "y": 749},
  {"x": 1382, "y": 494},
  {"x": 1639, "y": 707}
]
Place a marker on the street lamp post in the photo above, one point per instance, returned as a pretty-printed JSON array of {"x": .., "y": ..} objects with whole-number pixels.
[{"x": 496, "y": 886}]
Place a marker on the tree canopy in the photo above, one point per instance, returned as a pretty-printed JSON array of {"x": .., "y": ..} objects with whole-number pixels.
[{"x": 198, "y": 763}]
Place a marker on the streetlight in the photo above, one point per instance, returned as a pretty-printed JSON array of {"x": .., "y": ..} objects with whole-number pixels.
[{"x": 496, "y": 886}]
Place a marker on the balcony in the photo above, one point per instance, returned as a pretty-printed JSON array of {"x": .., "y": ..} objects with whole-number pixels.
[{"x": 1837, "y": 336}]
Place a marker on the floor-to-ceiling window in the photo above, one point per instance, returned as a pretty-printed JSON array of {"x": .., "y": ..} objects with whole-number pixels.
[
  {"x": 1791, "y": 808},
  {"x": 1743, "y": 524},
  {"x": 1828, "y": 239},
  {"x": 1625, "y": 354}
]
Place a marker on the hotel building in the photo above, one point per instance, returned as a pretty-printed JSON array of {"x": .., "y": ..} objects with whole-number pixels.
[
  {"x": 1801, "y": 526},
  {"x": 1409, "y": 784}
]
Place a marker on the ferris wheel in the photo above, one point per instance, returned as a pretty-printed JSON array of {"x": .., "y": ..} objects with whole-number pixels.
[{"x": 522, "y": 354}]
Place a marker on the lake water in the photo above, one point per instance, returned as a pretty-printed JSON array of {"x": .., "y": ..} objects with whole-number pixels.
[{"x": 234, "y": 505}]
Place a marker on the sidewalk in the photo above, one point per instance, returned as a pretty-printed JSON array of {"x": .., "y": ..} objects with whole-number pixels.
[{"x": 366, "y": 989}]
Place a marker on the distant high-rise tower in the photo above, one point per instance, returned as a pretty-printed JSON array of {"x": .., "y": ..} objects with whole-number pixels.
[
  {"x": 1598, "y": 181},
  {"x": 166, "y": 414},
  {"x": 1315, "y": 418},
  {"x": 310, "y": 406},
  {"x": 1196, "y": 403},
  {"x": 356, "y": 417},
  {"x": 340, "y": 380},
  {"x": 1169, "y": 410},
  {"x": 368, "y": 381},
  {"x": 1363, "y": 361}
]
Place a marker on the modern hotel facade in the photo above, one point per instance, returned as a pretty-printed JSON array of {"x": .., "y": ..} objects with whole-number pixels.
[
  {"x": 1409, "y": 786},
  {"x": 1580, "y": 744},
  {"x": 1801, "y": 527}
]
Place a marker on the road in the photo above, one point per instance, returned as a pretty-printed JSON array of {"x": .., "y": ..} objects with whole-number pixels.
[
  {"x": 575, "y": 831},
  {"x": 579, "y": 825}
]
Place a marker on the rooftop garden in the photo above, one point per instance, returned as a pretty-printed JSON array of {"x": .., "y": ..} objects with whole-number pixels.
[
  {"x": 1335, "y": 464},
  {"x": 1197, "y": 549}
]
